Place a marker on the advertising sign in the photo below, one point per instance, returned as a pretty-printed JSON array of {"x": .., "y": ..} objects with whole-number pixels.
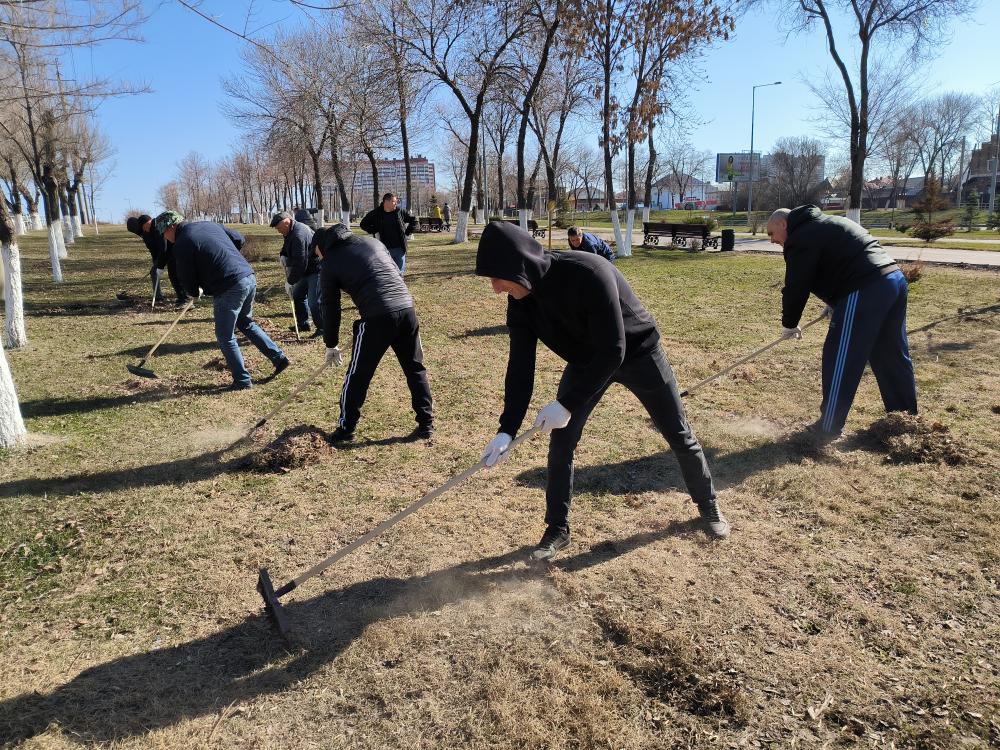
[{"x": 736, "y": 167}]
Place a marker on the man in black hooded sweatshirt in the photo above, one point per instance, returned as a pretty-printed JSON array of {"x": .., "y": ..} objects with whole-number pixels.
[
  {"x": 362, "y": 267},
  {"x": 581, "y": 307}
]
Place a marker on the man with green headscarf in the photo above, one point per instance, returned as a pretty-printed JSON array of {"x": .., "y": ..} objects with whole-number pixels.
[{"x": 208, "y": 258}]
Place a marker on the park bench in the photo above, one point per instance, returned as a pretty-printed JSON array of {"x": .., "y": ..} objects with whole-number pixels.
[
  {"x": 533, "y": 227},
  {"x": 430, "y": 224},
  {"x": 876, "y": 224},
  {"x": 679, "y": 234}
]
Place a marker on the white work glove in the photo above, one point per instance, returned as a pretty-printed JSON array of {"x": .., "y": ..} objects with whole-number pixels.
[
  {"x": 496, "y": 451},
  {"x": 553, "y": 416},
  {"x": 289, "y": 289},
  {"x": 201, "y": 293},
  {"x": 333, "y": 356},
  {"x": 791, "y": 333},
  {"x": 160, "y": 272}
]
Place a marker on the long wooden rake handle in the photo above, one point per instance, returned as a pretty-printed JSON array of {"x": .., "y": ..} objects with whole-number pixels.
[
  {"x": 752, "y": 355},
  {"x": 456, "y": 480},
  {"x": 295, "y": 392},
  {"x": 163, "y": 338}
]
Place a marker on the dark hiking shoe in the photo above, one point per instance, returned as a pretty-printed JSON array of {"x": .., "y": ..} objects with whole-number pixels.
[
  {"x": 280, "y": 365},
  {"x": 715, "y": 523},
  {"x": 317, "y": 333},
  {"x": 813, "y": 436},
  {"x": 240, "y": 387},
  {"x": 553, "y": 540},
  {"x": 341, "y": 436},
  {"x": 302, "y": 328},
  {"x": 423, "y": 431}
]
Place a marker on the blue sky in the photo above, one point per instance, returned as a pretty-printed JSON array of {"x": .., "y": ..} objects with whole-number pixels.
[{"x": 184, "y": 58}]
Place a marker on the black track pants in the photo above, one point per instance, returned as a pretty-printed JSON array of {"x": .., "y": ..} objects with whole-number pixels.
[
  {"x": 372, "y": 338},
  {"x": 650, "y": 378}
]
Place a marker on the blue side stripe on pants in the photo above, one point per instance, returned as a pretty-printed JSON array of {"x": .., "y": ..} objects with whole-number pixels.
[
  {"x": 838, "y": 371},
  {"x": 350, "y": 370}
]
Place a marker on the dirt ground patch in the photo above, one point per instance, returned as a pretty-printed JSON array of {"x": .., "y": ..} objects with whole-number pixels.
[
  {"x": 909, "y": 438},
  {"x": 296, "y": 447}
]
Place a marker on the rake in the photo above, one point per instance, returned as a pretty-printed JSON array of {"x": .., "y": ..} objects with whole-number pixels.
[{"x": 142, "y": 371}]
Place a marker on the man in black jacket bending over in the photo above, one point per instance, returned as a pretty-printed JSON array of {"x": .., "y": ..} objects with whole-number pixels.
[
  {"x": 208, "y": 258},
  {"x": 301, "y": 269},
  {"x": 362, "y": 267},
  {"x": 842, "y": 264},
  {"x": 393, "y": 225},
  {"x": 581, "y": 307},
  {"x": 160, "y": 251}
]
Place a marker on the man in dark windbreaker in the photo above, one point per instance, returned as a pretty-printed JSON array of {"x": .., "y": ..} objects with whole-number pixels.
[
  {"x": 842, "y": 264},
  {"x": 581, "y": 307},
  {"x": 589, "y": 243},
  {"x": 362, "y": 267},
  {"x": 301, "y": 268},
  {"x": 208, "y": 258},
  {"x": 160, "y": 251},
  {"x": 393, "y": 225}
]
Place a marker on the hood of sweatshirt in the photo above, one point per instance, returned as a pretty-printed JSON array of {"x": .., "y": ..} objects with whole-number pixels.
[
  {"x": 508, "y": 252},
  {"x": 802, "y": 214}
]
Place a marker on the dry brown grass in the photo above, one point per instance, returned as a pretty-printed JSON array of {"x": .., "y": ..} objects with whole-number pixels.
[{"x": 855, "y": 604}]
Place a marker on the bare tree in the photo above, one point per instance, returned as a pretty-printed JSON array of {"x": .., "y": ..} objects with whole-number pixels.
[
  {"x": 796, "y": 169},
  {"x": 937, "y": 130},
  {"x": 876, "y": 25}
]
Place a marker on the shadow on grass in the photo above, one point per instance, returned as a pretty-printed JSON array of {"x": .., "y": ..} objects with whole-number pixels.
[
  {"x": 165, "y": 348},
  {"x": 485, "y": 331},
  {"x": 50, "y": 407},
  {"x": 136, "y": 695}
]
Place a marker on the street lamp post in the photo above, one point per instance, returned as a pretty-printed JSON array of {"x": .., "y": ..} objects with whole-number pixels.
[{"x": 753, "y": 103}]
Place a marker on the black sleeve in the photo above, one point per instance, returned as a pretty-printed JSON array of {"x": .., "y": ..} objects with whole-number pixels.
[
  {"x": 187, "y": 273},
  {"x": 237, "y": 238},
  {"x": 370, "y": 222},
  {"x": 520, "y": 380},
  {"x": 411, "y": 222},
  {"x": 297, "y": 258},
  {"x": 605, "y": 328},
  {"x": 331, "y": 309},
  {"x": 800, "y": 273}
]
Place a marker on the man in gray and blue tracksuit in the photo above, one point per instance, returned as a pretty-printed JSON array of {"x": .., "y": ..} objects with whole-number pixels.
[{"x": 842, "y": 264}]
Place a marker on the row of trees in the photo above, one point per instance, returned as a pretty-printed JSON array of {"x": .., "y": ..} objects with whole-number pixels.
[{"x": 50, "y": 147}]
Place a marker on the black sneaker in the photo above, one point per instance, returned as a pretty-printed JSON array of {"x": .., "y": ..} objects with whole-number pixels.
[
  {"x": 302, "y": 328},
  {"x": 281, "y": 365},
  {"x": 716, "y": 524},
  {"x": 553, "y": 540},
  {"x": 423, "y": 431},
  {"x": 240, "y": 386},
  {"x": 340, "y": 436}
]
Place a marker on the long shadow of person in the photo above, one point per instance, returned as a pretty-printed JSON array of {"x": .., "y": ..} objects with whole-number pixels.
[
  {"x": 56, "y": 407},
  {"x": 134, "y": 695}
]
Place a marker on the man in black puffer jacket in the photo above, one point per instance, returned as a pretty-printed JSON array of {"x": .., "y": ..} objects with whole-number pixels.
[
  {"x": 583, "y": 309},
  {"x": 362, "y": 267},
  {"x": 842, "y": 264},
  {"x": 393, "y": 225}
]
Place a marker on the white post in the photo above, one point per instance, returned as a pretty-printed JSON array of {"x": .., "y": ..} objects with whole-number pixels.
[{"x": 13, "y": 297}]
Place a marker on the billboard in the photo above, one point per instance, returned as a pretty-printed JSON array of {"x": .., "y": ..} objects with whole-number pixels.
[{"x": 736, "y": 167}]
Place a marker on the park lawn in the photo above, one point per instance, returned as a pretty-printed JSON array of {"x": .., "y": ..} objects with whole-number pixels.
[
  {"x": 855, "y": 602},
  {"x": 938, "y": 245}
]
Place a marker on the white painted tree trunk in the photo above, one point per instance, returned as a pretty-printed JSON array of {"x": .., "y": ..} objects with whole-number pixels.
[
  {"x": 320, "y": 216},
  {"x": 13, "y": 297},
  {"x": 345, "y": 218},
  {"x": 11, "y": 424},
  {"x": 19, "y": 228},
  {"x": 522, "y": 218},
  {"x": 55, "y": 237},
  {"x": 462, "y": 227},
  {"x": 629, "y": 223},
  {"x": 854, "y": 214},
  {"x": 36, "y": 222},
  {"x": 645, "y": 214},
  {"x": 77, "y": 226},
  {"x": 623, "y": 251},
  {"x": 67, "y": 233}
]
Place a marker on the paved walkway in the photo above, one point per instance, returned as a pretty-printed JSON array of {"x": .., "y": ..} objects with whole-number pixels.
[{"x": 936, "y": 254}]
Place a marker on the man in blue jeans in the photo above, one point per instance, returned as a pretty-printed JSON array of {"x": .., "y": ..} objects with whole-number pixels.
[
  {"x": 208, "y": 258},
  {"x": 842, "y": 264},
  {"x": 393, "y": 225}
]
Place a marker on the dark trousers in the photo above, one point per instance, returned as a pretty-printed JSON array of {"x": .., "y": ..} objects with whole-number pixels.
[
  {"x": 174, "y": 280},
  {"x": 372, "y": 337},
  {"x": 868, "y": 327},
  {"x": 650, "y": 378}
]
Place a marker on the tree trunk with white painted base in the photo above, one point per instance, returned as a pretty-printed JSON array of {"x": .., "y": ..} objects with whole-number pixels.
[
  {"x": 19, "y": 227},
  {"x": 12, "y": 429},
  {"x": 629, "y": 223},
  {"x": 623, "y": 251},
  {"x": 462, "y": 227},
  {"x": 56, "y": 250},
  {"x": 854, "y": 214},
  {"x": 77, "y": 226},
  {"x": 36, "y": 222},
  {"x": 13, "y": 297},
  {"x": 522, "y": 218},
  {"x": 645, "y": 214}
]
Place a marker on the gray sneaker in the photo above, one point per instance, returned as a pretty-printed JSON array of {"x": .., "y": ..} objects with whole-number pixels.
[
  {"x": 553, "y": 540},
  {"x": 716, "y": 524}
]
